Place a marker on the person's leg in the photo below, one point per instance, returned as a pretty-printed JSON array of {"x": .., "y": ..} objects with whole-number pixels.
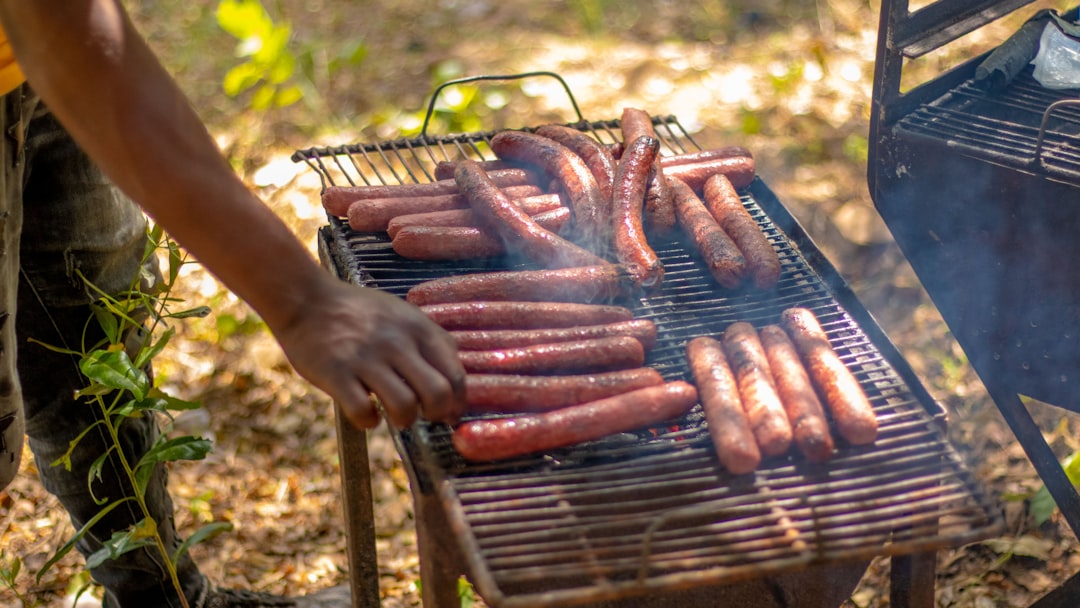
[
  {"x": 76, "y": 222},
  {"x": 11, "y": 415}
]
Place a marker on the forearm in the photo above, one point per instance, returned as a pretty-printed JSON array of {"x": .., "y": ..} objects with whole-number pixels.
[{"x": 99, "y": 78}]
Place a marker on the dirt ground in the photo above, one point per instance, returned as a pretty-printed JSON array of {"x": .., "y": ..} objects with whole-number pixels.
[{"x": 789, "y": 80}]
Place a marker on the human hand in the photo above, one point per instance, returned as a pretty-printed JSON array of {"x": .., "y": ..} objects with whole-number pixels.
[{"x": 352, "y": 342}]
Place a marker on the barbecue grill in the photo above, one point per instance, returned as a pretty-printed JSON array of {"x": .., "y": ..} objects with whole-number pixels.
[
  {"x": 652, "y": 512},
  {"x": 976, "y": 171}
]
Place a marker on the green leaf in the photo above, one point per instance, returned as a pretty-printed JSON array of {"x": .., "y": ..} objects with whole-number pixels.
[
  {"x": 107, "y": 321},
  {"x": 281, "y": 69},
  {"x": 70, "y": 544},
  {"x": 178, "y": 448},
  {"x": 115, "y": 369},
  {"x": 198, "y": 312},
  {"x": 263, "y": 97},
  {"x": 242, "y": 18},
  {"x": 241, "y": 78},
  {"x": 202, "y": 534},
  {"x": 172, "y": 403},
  {"x": 146, "y": 355},
  {"x": 65, "y": 460},
  {"x": 121, "y": 542},
  {"x": 288, "y": 96}
]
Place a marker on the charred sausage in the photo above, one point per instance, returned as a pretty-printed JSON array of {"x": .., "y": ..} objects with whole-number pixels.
[
  {"x": 643, "y": 330},
  {"x": 720, "y": 254},
  {"x": 726, "y": 206},
  {"x": 707, "y": 154},
  {"x": 843, "y": 396},
  {"x": 596, "y": 155},
  {"x": 517, "y": 230},
  {"x": 809, "y": 427},
  {"x": 494, "y": 315},
  {"x": 569, "y": 171},
  {"x": 588, "y": 284},
  {"x": 628, "y": 237},
  {"x": 497, "y": 439},
  {"x": 436, "y": 243},
  {"x": 374, "y": 215},
  {"x": 444, "y": 169},
  {"x": 514, "y": 393},
  {"x": 337, "y": 199},
  {"x": 729, "y": 428},
  {"x": 578, "y": 356},
  {"x": 739, "y": 170},
  {"x": 760, "y": 400},
  {"x": 659, "y": 211},
  {"x": 467, "y": 217}
]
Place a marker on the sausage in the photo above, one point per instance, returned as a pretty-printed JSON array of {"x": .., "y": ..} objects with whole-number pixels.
[
  {"x": 597, "y": 156},
  {"x": 628, "y": 233},
  {"x": 643, "y": 330},
  {"x": 659, "y": 212},
  {"x": 766, "y": 414},
  {"x": 373, "y": 215},
  {"x": 720, "y": 254},
  {"x": 707, "y": 154},
  {"x": 497, "y": 439},
  {"x": 809, "y": 427},
  {"x": 739, "y": 170},
  {"x": 337, "y": 199},
  {"x": 729, "y": 427},
  {"x": 440, "y": 243},
  {"x": 725, "y": 205},
  {"x": 843, "y": 396},
  {"x": 588, "y": 284},
  {"x": 467, "y": 217},
  {"x": 515, "y": 393},
  {"x": 444, "y": 169},
  {"x": 522, "y": 315},
  {"x": 578, "y": 356},
  {"x": 571, "y": 173},
  {"x": 517, "y": 230}
]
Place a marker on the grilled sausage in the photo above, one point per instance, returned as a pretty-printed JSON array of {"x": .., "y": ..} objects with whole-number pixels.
[
  {"x": 571, "y": 173},
  {"x": 596, "y": 155},
  {"x": 729, "y": 427},
  {"x": 628, "y": 237},
  {"x": 494, "y": 315},
  {"x": 740, "y": 170},
  {"x": 809, "y": 427},
  {"x": 497, "y": 439},
  {"x": 578, "y": 356},
  {"x": 720, "y": 254},
  {"x": 659, "y": 211},
  {"x": 467, "y": 217},
  {"x": 444, "y": 169},
  {"x": 643, "y": 330},
  {"x": 760, "y": 400},
  {"x": 514, "y": 393},
  {"x": 517, "y": 230},
  {"x": 699, "y": 156},
  {"x": 374, "y": 215},
  {"x": 337, "y": 199},
  {"x": 439, "y": 243},
  {"x": 843, "y": 396},
  {"x": 588, "y": 284},
  {"x": 725, "y": 205}
]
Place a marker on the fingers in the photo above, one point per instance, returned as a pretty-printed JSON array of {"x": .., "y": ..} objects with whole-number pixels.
[
  {"x": 359, "y": 408},
  {"x": 417, "y": 383}
]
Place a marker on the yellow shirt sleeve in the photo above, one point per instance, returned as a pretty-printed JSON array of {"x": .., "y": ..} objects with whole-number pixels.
[{"x": 11, "y": 75}]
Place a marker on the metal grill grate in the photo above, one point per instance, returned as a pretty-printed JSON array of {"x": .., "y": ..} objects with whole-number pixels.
[{"x": 641, "y": 512}]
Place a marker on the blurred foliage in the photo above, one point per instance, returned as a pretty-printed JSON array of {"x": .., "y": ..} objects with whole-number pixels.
[{"x": 269, "y": 64}]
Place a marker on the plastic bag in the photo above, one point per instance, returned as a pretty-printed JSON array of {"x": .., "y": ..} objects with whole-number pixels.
[{"x": 1057, "y": 64}]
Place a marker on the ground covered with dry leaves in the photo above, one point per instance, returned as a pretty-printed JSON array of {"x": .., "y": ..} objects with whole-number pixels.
[{"x": 791, "y": 81}]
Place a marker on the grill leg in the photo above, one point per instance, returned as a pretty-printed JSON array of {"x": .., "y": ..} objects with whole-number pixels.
[
  {"x": 1039, "y": 453},
  {"x": 359, "y": 513},
  {"x": 440, "y": 562},
  {"x": 911, "y": 580}
]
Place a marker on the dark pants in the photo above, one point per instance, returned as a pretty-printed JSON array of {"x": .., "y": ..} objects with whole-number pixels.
[{"x": 62, "y": 219}]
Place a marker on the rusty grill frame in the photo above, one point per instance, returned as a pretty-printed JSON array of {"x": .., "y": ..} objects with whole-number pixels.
[{"x": 636, "y": 513}]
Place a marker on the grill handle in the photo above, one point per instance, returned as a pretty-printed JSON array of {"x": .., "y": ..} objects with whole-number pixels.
[
  {"x": 1037, "y": 156},
  {"x": 435, "y": 94}
]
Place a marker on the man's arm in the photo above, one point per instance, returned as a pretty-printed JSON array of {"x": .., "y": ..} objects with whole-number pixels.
[{"x": 101, "y": 80}]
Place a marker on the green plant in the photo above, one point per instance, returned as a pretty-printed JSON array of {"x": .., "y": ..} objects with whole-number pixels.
[
  {"x": 269, "y": 65},
  {"x": 120, "y": 387}
]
